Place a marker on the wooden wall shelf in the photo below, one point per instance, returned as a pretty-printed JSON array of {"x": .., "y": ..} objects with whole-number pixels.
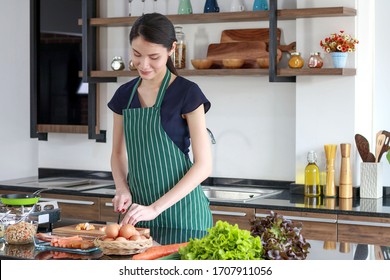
[
  {"x": 238, "y": 72},
  {"x": 317, "y": 72},
  {"x": 286, "y": 14},
  {"x": 285, "y": 74}
]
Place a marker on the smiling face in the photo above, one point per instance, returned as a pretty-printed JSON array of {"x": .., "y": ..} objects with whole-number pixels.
[{"x": 150, "y": 59}]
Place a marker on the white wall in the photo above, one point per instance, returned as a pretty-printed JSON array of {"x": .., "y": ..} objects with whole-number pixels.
[
  {"x": 263, "y": 130},
  {"x": 18, "y": 153},
  {"x": 381, "y": 90}
]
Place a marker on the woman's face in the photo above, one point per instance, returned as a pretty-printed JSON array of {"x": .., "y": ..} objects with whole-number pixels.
[{"x": 150, "y": 59}]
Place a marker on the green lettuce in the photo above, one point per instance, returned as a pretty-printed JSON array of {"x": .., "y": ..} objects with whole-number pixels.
[{"x": 223, "y": 242}]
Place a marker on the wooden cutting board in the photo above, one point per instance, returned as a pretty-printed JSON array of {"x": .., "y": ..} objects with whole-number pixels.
[
  {"x": 249, "y": 34},
  {"x": 244, "y": 50},
  {"x": 71, "y": 230},
  {"x": 249, "y": 51}
]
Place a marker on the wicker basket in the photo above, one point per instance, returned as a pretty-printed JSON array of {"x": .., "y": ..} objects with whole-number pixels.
[{"x": 123, "y": 247}]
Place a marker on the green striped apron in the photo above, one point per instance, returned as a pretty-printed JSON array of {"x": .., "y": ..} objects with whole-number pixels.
[{"x": 155, "y": 166}]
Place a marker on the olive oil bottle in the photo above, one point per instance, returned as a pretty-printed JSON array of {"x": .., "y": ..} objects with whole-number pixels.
[{"x": 312, "y": 186}]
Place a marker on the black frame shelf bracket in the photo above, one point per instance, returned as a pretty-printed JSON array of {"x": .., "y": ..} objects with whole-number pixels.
[
  {"x": 34, "y": 69},
  {"x": 89, "y": 44},
  {"x": 88, "y": 63},
  {"x": 92, "y": 116},
  {"x": 273, "y": 46}
]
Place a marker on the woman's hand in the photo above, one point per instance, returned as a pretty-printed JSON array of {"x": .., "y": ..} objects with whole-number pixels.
[
  {"x": 122, "y": 200},
  {"x": 138, "y": 213}
]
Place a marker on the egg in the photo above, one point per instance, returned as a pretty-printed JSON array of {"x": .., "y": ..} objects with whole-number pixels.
[
  {"x": 127, "y": 231},
  {"x": 112, "y": 230},
  {"x": 120, "y": 239},
  {"x": 108, "y": 239},
  {"x": 135, "y": 237}
]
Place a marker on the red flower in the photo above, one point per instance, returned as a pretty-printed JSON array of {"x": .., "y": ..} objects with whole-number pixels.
[{"x": 340, "y": 42}]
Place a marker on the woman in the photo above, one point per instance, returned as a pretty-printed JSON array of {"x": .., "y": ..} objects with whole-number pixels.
[{"x": 155, "y": 115}]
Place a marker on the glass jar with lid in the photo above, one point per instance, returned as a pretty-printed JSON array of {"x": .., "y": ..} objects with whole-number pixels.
[
  {"x": 315, "y": 60},
  {"x": 117, "y": 63},
  {"x": 179, "y": 56},
  {"x": 296, "y": 61}
]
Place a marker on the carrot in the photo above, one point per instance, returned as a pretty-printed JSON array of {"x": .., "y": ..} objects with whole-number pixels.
[
  {"x": 63, "y": 241},
  {"x": 156, "y": 252}
]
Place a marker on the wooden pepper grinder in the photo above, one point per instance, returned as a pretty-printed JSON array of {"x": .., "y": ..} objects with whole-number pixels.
[
  {"x": 330, "y": 154},
  {"x": 345, "y": 186}
]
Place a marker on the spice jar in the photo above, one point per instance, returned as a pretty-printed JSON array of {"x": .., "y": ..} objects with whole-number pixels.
[
  {"x": 296, "y": 61},
  {"x": 179, "y": 56},
  {"x": 315, "y": 60}
]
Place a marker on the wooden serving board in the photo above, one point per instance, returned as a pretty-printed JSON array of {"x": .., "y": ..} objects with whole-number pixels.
[
  {"x": 250, "y": 34},
  {"x": 242, "y": 50},
  {"x": 249, "y": 51},
  {"x": 97, "y": 232}
]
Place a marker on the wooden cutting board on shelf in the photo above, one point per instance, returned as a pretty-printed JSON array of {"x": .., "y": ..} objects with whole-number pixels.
[
  {"x": 249, "y": 51},
  {"x": 243, "y": 50},
  {"x": 249, "y": 34}
]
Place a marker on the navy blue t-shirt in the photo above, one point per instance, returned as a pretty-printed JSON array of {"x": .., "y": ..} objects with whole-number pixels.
[{"x": 181, "y": 97}]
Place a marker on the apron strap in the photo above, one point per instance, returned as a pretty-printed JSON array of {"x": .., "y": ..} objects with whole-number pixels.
[
  {"x": 161, "y": 91},
  {"x": 163, "y": 87},
  {"x": 133, "y": 92}
]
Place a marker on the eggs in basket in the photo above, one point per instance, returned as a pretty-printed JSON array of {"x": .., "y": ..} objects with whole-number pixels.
[{"x": 124, "y": 240}]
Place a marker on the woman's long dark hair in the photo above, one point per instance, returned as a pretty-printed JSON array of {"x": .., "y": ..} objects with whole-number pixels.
[{"x": 158, "y": 29}]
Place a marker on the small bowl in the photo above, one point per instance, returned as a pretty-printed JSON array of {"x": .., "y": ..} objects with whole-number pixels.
[
  {"x": 202, "y": 63},
  {"x": 263, "y": 62},
  {"x": 233, "y": 63}
]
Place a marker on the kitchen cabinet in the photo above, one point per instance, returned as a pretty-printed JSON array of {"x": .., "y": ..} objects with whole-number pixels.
[
  {"x": 248, "y": 16},
  {"x": 59, "y": 102},
  {"x": 317, "y": 226},
  {"x": 361, "y": 229},
  {"x": 107, "y": 213},
  {"x": 233, "y": 215},
  {"x": 75, "y": 207}
]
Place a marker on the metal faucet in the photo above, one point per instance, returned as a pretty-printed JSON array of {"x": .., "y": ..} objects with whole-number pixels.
[{"x": 211, "y": 136}]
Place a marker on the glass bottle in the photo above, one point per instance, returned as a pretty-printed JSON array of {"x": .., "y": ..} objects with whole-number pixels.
[
  {"x": 211, "y": 6},
  {"x": 315, "y": 60},
  {"x": 260, "y": 5},
  {"x": 237, "y": 6},
  {"x": 185, "y": 7},
  {"x": 296, "y": 61},
  {"x": 179, "y": 56},
  {"x": 312, "y": 176}
]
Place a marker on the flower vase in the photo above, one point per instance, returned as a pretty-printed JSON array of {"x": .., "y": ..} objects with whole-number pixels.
[{"x": 339, "y": 59}]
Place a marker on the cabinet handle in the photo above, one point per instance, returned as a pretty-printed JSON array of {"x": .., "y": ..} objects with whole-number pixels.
[
  {"x": 308, "y": 219},
  {"x": 361, "y": 223},
  {"x": 69, "y": 201},
  {"x": 109, "y": 204},
  {"x": 228, "y": 213}
]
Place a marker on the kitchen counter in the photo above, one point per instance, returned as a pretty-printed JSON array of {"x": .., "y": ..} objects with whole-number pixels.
[
  {"x": 289, "y": 199},
  {"x": 320, "y": 250}
]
